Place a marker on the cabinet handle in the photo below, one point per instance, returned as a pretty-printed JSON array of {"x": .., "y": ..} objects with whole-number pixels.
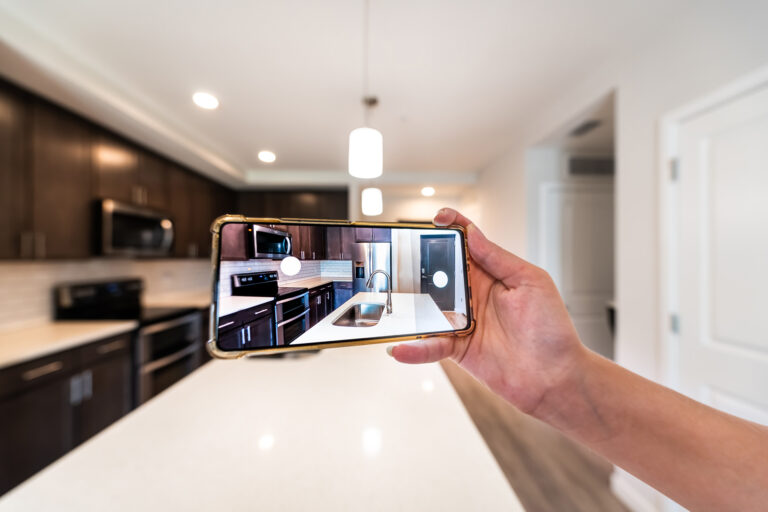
[
  {"x": 87, "y": 384},
  {"x": 39, "y": 245},
  {"x": 40, "y": 371},
  {"x": 302, "y": 254},
  {"x": 110, "y": 347},
  {"x": 76, "y": 390},
  {"x": 313, "y": 255},
  {"x": 249, "y": 333},
  {"x": 226, "y": 324},
  {"x": 261, "y": 311}
]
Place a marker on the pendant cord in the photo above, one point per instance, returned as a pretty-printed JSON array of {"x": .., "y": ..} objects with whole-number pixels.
[{"x": 366, "y": 22}]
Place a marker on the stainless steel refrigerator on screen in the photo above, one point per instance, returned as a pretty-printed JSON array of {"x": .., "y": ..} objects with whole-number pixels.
[{"x": 369, "y": 257}]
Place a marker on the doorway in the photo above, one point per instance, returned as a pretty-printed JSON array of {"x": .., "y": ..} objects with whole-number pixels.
[
  {"x": 438, "y": 269},
  {"x": 570, "y": 195}
]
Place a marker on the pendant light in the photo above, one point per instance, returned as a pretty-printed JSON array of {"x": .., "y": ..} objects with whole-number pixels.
[
  {"x": 366, "y": 143},
  {"x": 372, "y": 202}
]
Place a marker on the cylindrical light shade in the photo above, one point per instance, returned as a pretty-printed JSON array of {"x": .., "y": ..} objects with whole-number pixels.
[
  {"x": 365, "y": 153},
  {"x": 372, "y": 202}
]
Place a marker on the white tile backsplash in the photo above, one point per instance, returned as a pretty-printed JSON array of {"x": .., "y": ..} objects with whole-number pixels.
[{"x": 25, "y": 287}]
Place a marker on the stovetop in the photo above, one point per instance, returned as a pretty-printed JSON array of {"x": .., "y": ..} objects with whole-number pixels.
[{"x": 285, "y": 292}]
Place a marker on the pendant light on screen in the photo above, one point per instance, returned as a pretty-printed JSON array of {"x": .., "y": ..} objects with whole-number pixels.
[
  {"x": 366, "y": 143},
  {"x": 372, "y": 202}
]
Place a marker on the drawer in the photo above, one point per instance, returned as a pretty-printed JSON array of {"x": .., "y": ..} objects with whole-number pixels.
[
  {"x": 40, "y": 371},
  {"x": 110, "y": 347}
]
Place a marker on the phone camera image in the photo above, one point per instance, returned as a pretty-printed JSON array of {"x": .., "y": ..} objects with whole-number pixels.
[{"x": 300, "y": 284}]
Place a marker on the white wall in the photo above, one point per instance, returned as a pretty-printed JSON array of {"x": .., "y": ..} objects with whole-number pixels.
[{"x": 710, "y": 47}]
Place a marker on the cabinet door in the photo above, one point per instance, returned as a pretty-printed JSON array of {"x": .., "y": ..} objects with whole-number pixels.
[
  {"x": 236, "y": 242},
  {"x": 305, "y": 236},
  {"x": 35, "y": 430},
  {"x": 106, "y": 387},
  {"x": 382, "y": 234},
  {"x": 180, "y": 207},
  {"x": 317, "y": 234},
  {"x": 328, "y": 299},
  {"x": 315, "y": 306},
  {"x": 342, "y": 292},
  {"x": 296, "y": 247},
  {"x": 260, "y": 330},
  {"x": 363, "y": 234},
  {"x": 14, "y": 192},
  {"x": 61, "y": 184},
  {"x": 347, "y": 243},
  {"x": 333, "y": 243},
  {"x": 203, "y": 193},
  {"x": 153, "y": 183},
  {"x": 116, "y": 166}
]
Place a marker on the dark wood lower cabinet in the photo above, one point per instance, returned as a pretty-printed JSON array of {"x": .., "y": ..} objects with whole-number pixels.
[
  {"x": 342, "y": 292},
  {"x": 50, "y": 405}
]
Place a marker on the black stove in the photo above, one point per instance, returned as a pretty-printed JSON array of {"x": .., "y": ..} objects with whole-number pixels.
[
  {"x": 263, "y": 284},
  {"x": 118, "y": 299}
]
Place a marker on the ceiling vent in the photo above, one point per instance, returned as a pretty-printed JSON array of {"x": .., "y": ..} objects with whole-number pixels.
[
  {"x": 585, "y": 127},
  {"x": 591, "y": 166}
]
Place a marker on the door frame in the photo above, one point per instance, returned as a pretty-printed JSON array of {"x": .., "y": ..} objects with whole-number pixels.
[
  {"x": 668, "y": 277},
  {"x": 453, "y": 257}
]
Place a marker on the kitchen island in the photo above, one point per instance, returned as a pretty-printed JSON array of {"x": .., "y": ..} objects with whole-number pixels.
[
  {"x": 411, "y": 313},
  {"x": 345, "y": 429}
]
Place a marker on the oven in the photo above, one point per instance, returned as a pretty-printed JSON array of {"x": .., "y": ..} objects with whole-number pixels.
[
  {"x": 291, "y": 318},
  {"x": 166, "y": 352},
  {"x": 270, "y": 243}
]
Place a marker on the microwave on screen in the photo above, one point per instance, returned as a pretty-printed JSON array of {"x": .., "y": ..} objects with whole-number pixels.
[{"x": 270, "y": 243}]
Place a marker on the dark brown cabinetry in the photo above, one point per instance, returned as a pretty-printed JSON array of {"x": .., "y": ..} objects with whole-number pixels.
[
  {"x": 61, "y": 184},
  {"x": 250, "y": 328},
  {"x": 235, "y": 242},
  {"x": 339, "y": 242},
  {"x": 373, "y": 234},
  {"x": 116, "y": 169},
  {"x": 320, "y": 303},
  {"x": 14, "y": 106},
  {"x": 342, "y": 292},
  {"x": 320, "y": 204},
  {"x": 153, "y": 187},
  {"x": 51, "y": 404}
]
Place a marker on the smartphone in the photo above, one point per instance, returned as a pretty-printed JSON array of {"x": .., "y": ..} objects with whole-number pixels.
[{"x": 282, "y": 285}]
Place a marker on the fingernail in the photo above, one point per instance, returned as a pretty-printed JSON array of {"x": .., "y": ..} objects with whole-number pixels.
[
  {"x": 389, "y": 350},
  {"x": 439, "y": 213}
]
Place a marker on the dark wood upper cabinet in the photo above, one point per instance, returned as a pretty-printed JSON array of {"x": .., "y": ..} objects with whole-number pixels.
[
  {"x": 382, "y": 234},
  {"x": 116, "y": 169},
  {"x": 153, "y": 181},
  {"x": 235, "y": 242},
  {"x": 15, "y": 240},
  {"x": 333, "y": 242},
  {"x": 363, "y": 234},
  {"x": 317, "y": 204},
  {"x": 180, "y": 207},
  {"x": 61, "y": 183},
  {"x": 347, "y": 243}
]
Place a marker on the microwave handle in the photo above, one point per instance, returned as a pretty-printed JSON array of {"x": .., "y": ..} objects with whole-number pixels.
[{"x": 289, "y": 245}]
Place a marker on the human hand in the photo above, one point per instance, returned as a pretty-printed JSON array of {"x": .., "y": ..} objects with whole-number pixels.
[{"x": 524, "y": 344}]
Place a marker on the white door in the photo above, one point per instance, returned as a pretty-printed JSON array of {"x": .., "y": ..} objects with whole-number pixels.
[
  {"x": 721, "y": 267},
  {"x": 576, "y": 248}
]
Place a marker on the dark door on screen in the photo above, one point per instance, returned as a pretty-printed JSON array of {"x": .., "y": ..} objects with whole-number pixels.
[{"x": 438, "y": 255}]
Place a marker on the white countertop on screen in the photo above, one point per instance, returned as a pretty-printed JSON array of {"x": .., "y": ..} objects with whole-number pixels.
[
  {"x": 21, "y": 345},
  {"x": 345, "y": 429},
  {"x": 229, "y": 305},
  {"x": 411, "y": 313},
  {"x": 314, "y": 282}
]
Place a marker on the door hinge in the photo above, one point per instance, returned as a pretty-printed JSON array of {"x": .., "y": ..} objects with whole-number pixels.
[
  {"x": 674, "y": 323},
  {"x": 674, "y": 169}
]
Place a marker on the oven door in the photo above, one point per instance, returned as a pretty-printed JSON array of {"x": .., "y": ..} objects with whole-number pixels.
[
  {"x": 289, "y": 308},
  {"x": 290, "y": 329},
  {"x": 162, "y": 373},
  {"x": 271, "y": 243}
]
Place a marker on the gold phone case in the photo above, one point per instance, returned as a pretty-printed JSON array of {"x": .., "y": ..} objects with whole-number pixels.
[{"x": 215, "y": 351}]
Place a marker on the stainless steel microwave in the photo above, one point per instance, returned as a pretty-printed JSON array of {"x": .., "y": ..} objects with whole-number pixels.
[
  {"x": 127, "y": 230},
  {"x": 270, "y": 243}
]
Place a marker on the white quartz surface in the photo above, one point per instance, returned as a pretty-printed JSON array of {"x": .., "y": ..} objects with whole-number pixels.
[
  {"x": 314, "y": 282},
  {"x": 345, "y": 429},
  {"x": 412, "y": 313},
  {"x": 20, "y": 345},
  {"x": 229, "y": 305}
]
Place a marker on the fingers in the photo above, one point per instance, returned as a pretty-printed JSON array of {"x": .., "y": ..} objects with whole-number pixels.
[
  {"x": 425, "y": 351},
  {"x": 500, "y": 264}
]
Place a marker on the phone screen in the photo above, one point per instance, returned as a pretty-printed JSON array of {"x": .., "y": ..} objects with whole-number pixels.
[{"x": 289, "y": 285}]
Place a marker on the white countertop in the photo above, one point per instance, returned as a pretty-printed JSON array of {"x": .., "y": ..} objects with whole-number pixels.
[
  {"x": 346, "y": 429},
  {"x": 20, "y": 345},
  {"x": 232, "y": 304},
  {"x": 411, "y": 313},
  {"x": 314, "y": 282}
]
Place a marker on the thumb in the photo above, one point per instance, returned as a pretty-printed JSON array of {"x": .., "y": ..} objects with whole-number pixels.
[
  {"x": 428, "y": 350},
  {"x": 499, "y": 263}
]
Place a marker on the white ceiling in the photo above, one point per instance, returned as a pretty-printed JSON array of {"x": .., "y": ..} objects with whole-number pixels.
[{"x": 455, "y": 78}]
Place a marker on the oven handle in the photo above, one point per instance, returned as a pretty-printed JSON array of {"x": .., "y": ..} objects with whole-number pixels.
[
  {"x": 303, "y": 295},
  {"x": 170, "y": 359},
  {"x": 305, "y": 312}
]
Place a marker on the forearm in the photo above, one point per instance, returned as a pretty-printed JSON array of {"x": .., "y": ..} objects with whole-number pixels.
[{"x": 702, "y": 458}]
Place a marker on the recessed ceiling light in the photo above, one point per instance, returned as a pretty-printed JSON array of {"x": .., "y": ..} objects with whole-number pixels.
[
  {"x": 428, "y": 191},
  {"x": 205, "y": 100},
  {"x": 267, "y": 156}
]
